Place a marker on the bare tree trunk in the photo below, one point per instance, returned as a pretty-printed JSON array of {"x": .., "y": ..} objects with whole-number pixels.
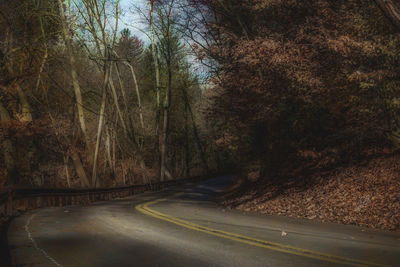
[
  {"x": 158, "y": 85},
  {"x": 98, "y": 139},
  {"x": 66, "y": 171},
  {"x": 45, "y": 56},
  {"x": 164, "y": 144},
  {"x": 114, "y": 144},
  {"x": 107, "y": 73},
  {"x": 154, "y": 53},
  {"x": 187, "y": 147},
  {"x": 74, "y": 76},
  {"x": 76, "y": 159},
  {"x": 164, "y": 138},
  {"x": 137, "y": 94},
  {"x": 108, "y": 150},
  {"x": 115, "y": 98},
  {"x": 26, "y": 108},
  {"x": 168, "y": 174},
  {"x": 8, "y": 151},
  {"x": 141, "y": 160},
  {"x": 121, "y": 84},
  {"x": 124, "y": 96},
  {"x": 391, "y": 11},
  {"x": 123, "y": 169},
  {"x": 113, "y": 153}
]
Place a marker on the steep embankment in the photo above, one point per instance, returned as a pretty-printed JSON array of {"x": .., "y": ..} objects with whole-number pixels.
[{"x": 366, "y": 194}]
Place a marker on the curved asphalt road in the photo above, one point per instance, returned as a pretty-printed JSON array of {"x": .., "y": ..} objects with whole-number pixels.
[{"x": 181, "y": 226}]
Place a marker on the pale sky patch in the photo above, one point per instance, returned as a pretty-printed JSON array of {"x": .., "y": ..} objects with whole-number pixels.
[{"x": 132, "y": 20}]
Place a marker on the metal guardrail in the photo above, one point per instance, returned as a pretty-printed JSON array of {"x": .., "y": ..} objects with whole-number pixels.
[{"x": 15, "y": 201}]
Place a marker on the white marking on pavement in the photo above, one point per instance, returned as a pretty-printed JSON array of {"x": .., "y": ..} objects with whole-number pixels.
[{"x": 35, "y": 244}]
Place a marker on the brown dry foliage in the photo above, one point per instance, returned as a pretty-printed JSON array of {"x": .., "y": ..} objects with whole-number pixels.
[{"x": 366, "y": 195}]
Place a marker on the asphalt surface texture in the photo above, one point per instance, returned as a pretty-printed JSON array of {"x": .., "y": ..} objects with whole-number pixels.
[{"x": 183, "y": 226}]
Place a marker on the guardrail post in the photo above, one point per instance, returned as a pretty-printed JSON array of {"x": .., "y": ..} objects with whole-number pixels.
[{"x": 9, "y": 203}]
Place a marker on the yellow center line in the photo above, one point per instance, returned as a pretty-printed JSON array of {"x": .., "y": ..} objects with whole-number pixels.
[{"x": 144, "y": 208}]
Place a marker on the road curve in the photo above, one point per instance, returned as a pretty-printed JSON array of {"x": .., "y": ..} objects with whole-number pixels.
[{"x": 182, "y": 226}]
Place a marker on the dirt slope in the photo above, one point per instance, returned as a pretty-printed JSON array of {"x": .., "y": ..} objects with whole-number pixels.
[{"x": 367, "y": 194}]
